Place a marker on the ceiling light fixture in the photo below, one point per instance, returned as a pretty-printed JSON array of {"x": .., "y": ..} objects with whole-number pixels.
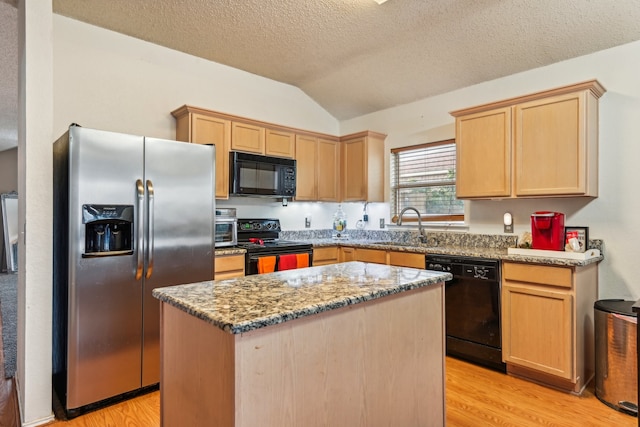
[{"x": 379, "y": 1}]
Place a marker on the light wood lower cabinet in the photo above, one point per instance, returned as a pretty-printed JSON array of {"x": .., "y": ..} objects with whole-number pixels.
[
  {"x": 228, "y": 266},
  {"x": 547, "y": 323},
  {"x": 407, "y": 259},
  {"x": 326, "y": 255},
  {"x": 371, "y": 255},
  {"x": 347, "y": 254},
  {"x": 380, "y": 256}
]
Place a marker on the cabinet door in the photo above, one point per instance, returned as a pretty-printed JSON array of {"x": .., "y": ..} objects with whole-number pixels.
[
  {"x": 347, "y": 254},
  {"x": 354, "y": 170},
  {"x": 483, "y": 154},
  {"x": 326, "y": 255},
  {"x": 212, "y": 130},
  {"x": 537, "y": 329},
  {"x": 371, "y": 255},
  {"x": 306, "y": 168},
  {"x": 279, "y": 143},
  {"x": 328, "y": 167},
  {"x": 550, "y": 146},
  {"x": 245, "y": 137}
]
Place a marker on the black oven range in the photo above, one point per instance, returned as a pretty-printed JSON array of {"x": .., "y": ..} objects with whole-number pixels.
[{"x": 266, "y": 252}]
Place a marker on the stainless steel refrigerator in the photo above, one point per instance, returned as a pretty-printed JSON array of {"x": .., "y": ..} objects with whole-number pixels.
[{"x": 131, "y": 214}]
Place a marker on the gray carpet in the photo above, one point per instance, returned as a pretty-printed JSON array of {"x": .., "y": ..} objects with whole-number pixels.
[{"x": 9, "y": 309}]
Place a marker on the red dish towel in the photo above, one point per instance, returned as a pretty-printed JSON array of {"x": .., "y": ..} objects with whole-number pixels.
[
  {"x": 266, "y": 264},
  {"x": 288, "y": 262},
  {"x": 303, "y": 260}
]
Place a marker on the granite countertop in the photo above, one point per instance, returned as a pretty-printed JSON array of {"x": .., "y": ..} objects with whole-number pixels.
[
  {"x": 252, "y": 302},
  {"x": 230, "y": 250},
  {"x": 489, "y": 252}
]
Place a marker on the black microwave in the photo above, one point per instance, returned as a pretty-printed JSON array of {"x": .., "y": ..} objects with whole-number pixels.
[{"x": 255, "y": 175}]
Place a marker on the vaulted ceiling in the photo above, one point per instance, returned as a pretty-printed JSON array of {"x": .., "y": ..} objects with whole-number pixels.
[{"x": 354, "y": 57}]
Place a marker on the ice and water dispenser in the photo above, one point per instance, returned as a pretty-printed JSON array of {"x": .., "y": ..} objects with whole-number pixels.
[{"x": 108, "y": 230}]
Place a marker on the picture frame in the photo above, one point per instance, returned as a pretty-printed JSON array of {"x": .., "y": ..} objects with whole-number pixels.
[{"x": 576, "y": 239}]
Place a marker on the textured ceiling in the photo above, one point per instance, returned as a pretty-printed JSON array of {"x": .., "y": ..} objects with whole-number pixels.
[{"x": 354, "y": 56}]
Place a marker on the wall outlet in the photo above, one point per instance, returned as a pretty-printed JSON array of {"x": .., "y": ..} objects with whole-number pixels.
[
  {"x": 307, "y": 222},
  {"x": 381, "y": 222}
]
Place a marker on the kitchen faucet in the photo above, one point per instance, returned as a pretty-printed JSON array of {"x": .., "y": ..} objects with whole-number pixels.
[{"x": 423, "y": 238}]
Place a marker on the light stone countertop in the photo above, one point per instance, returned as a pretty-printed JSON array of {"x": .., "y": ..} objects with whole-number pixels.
[
  {"x": 251, "y": 302},
  {"x": 499, "y": 253},
  {"x": 230, "y": 250}
]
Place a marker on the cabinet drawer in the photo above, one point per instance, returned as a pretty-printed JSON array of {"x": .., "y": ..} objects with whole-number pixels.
[
  {"x": 229, "y": 266},
  {"x": 539, "y": 274},
  {"x": 406, "y": 259},
  {"x": 371, "y": 255}
]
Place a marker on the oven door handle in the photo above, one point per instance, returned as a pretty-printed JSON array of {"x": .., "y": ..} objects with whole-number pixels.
[{"x": 256, "y": 257}]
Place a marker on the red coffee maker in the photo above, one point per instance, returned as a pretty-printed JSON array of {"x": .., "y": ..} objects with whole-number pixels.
[{"x": 547, "y": 230}]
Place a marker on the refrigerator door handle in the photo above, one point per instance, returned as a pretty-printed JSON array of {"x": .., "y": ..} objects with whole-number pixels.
[
  {"x": 150, "y": 198},
  {"x": 139, "y": 227}
]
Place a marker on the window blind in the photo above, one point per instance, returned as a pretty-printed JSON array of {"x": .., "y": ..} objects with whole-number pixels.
[{"x": 424, "y": 177}]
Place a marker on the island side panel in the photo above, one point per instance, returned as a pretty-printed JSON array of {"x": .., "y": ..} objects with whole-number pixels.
[
  {"x": 197, "y": 371},
  {"x": 377, "y": 363}
]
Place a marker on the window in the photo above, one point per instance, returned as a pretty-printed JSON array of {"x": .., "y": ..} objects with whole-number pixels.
[{"x": 424, "y": 177}]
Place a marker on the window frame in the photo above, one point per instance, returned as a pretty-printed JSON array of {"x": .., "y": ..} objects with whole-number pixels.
[{"x": 394, "y": 170}]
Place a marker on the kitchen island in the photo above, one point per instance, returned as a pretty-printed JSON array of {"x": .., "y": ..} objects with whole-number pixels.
[{"x": 351, "y": 344}]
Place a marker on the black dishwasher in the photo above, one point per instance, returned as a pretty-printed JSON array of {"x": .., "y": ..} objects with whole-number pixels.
[{"x": 472, "y": 308}]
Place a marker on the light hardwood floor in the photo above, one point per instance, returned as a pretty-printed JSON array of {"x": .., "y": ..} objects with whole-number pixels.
[{"x": 475, "y": 397}]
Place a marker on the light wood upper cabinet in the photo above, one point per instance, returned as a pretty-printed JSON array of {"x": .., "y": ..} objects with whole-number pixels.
[
  {"x": 362, "y": 167},
  {"x": 200, "y": 128},
  {"x": 317, "y": 168},
  {"x": 256, "y": 139},
  {"x": 556, "y": 146},
  {"x": 328, "y": 170},
  {"x": 539, "y": 145},
  {"x": 306, "y": 167},
  {"x": 483, "y": 145},
  {"x": 280, "y": 143},
  {"x": 547, "y": 323},
  {"x": 246, "y": 137}
]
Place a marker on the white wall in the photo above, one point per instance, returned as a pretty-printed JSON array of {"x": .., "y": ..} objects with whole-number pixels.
[
  {"x": 613, "y": 215},
  {"x": 109, "y": 81},
  {"x": 35, "y": 169}
]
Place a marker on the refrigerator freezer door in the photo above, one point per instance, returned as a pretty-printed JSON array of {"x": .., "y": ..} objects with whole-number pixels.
[
  {"x": 179, "y": 179},
  {"x": 104, "y": 323}
]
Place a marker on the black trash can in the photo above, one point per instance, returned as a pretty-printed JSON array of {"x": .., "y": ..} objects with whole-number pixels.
[{"x": 616, "y": 355}]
